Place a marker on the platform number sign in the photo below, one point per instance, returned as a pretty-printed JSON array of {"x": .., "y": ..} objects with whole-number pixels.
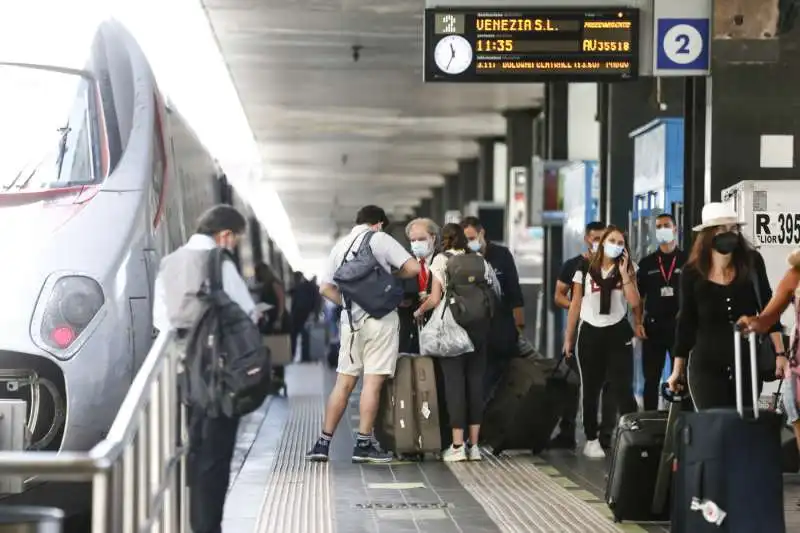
[
  {"x": 682, "y": 46},
  {"x": 776, "y": 229}
]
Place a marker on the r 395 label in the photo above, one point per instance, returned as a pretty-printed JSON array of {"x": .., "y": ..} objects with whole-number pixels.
[{"x": 777, "y": 229}]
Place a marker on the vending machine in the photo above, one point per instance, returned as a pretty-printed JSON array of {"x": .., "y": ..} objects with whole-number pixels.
[
  {"x": 581, "y": 205},
  {"x": 657, "y": 189},
  {"x": 657, "y": 181}
]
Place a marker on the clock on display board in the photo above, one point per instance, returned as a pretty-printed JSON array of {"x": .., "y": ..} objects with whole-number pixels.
[{"x": 453, "y": 54}]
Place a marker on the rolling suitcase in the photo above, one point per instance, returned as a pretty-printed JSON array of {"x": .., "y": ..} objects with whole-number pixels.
[
  {"x": 527, "y": 405},
  {"x": 641, "y": 451},
  {"x": 728, "y": 477},
  {"x": 408, "y": 418}
]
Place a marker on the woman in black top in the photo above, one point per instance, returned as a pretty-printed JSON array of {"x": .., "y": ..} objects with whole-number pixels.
[{"x": 717, "y": 288}]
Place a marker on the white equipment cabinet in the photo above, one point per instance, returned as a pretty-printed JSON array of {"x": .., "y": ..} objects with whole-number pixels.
[{"x": 771, "y": 211}]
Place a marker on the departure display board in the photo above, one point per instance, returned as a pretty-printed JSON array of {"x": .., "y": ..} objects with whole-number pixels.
[{"x": 530, "y": 45}]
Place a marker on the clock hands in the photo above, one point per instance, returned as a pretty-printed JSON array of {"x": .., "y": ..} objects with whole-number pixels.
[{"x": 452, "y": 56}]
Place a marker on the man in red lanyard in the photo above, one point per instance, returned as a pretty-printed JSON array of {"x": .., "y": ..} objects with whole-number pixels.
[{"x": 659, "y": 281}]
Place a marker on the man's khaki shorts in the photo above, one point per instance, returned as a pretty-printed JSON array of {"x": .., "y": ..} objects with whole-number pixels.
[{"x": 375, "y": 343}]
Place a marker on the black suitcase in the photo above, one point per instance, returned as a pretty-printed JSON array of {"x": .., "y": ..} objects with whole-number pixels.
[
  {"x": 641, "y": 454},
  {"x": 527, "y": 405},
  {"x": 728, "y": 475}
]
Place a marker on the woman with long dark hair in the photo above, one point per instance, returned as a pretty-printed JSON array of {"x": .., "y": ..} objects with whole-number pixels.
[
  {"x": 723, "y": 280},
  {"x": 463, "y": 374},
  {"x": 601, "y": 295}
]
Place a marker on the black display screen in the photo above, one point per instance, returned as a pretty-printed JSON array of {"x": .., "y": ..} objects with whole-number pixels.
[{"x": 530, "y": 45}]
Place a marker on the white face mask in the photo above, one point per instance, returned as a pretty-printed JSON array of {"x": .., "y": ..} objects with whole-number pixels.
[
  {"x": 612, "y": 250},
  {"x": 665, "y": 235},
  {"x": 595, "y": 246},
  {"x": 420, "y": 248},
  {"x": 474, "y": 245}
]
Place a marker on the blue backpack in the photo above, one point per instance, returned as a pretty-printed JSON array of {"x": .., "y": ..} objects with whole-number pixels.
[{"x": 363, "y": 281}]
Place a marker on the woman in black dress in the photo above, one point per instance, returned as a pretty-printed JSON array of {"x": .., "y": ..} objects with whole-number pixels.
[{"x": 723, "y": 280}]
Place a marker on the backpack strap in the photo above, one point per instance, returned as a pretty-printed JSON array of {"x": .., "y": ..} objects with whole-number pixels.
[
  {"x": 348, "y": 305},
  {"x": 215, "y": 258}
]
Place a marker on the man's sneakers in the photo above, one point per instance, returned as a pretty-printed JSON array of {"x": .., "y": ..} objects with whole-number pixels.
[
  {"x": 321, "y": 449},
  {"x": 367, "y": 450}
]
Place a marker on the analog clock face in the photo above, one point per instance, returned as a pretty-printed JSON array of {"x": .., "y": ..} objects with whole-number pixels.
[{"x": 453, "y": 54}]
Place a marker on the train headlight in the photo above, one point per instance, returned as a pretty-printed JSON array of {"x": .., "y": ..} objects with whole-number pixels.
[{"x": 71, "y": 302}]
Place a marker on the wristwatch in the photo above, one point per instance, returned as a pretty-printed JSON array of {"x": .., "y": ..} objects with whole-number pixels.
[{"x": 780, "y": 354}]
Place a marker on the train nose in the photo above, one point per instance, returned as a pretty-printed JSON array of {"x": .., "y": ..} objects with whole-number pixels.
[{"x": 26, "y": 373}]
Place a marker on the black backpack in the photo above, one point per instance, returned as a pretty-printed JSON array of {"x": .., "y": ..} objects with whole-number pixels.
[
  {"x": 468, "y": 294},
  {"x": 227, "y": 368}
]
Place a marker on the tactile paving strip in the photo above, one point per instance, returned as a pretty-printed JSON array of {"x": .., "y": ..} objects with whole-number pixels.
[
  {"x": 521, "y": 499},
  {"x": 297, "y": 497}
]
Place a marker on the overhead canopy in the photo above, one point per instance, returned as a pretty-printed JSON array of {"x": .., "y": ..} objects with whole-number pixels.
[{"x": 335, "y": 133}]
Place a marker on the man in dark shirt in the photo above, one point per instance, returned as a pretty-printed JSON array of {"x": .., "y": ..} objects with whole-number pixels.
[
  {"x": 509, "y": 318},
  {"x": 305, "y": 302},
  {"x": 659, "y": 281},
  {"x": 563, "y": 295}
]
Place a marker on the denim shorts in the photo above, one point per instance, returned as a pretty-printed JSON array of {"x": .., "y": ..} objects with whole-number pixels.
[{"x": 790, "y": 398}]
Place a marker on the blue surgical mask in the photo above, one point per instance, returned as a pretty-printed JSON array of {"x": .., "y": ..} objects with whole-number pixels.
[
  {"x": 595, "y": 246},
  {"x": 420, "y": 248},
  {"x": 612, "y": 250},
  {"x": 665, "y": 235},
  {"x": 474, "y": 245}
]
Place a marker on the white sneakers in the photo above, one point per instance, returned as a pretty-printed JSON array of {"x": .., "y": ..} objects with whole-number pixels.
[
  {"x": 593, "y": 450},
  {"x": 462, "y": 453}
]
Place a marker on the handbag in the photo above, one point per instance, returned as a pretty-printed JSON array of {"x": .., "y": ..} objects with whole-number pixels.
[
  {"x": 441, "y": 336},
  {"x": 766, "y": 350}
]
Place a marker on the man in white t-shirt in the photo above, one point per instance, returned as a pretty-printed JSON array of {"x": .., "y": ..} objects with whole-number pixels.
[{"x": 368, "y": 345}]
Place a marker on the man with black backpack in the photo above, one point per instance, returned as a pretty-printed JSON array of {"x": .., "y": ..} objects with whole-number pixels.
[
  {"x": 200, "y": 294},
  {"x": 358, "y": 277}
]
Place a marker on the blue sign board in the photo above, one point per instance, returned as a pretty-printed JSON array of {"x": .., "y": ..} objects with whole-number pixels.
[{"x": 682, "y": 45}]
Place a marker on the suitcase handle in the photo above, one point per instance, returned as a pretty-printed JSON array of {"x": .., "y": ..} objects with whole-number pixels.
[
  {"x": 737, "y": 363},
  {"x": 669, "y": 396}
]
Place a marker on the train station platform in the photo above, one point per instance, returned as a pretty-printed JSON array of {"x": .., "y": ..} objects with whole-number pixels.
[{"x": 274, "y": 490}]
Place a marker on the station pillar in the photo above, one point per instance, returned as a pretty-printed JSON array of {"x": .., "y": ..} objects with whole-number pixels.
[
  {"x": 623, "y": 107},
  {"x": 754, "y": 101},
  {"x": 437, "y": 205},
  {"x": 556, "y": 97},
  {"x": 556, "y": 147},
  {"x": 486, "y": 147},
  {"x": 520, "y": 140},
  {"x": 424, "y": 209},
  {"x": 468, "y": 176},
  {"x": 452, "y": 192}
]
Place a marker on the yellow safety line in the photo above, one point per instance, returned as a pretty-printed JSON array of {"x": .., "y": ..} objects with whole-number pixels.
[{"x": 546, "y": 468}]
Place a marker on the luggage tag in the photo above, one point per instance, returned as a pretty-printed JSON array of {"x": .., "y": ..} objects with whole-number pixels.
[
  {"x": 667, "y": 292},
  {"x": 711, "y": 511}
]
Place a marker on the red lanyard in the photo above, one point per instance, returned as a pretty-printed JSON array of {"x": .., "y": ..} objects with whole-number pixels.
[{"x": 665, "y": 275}]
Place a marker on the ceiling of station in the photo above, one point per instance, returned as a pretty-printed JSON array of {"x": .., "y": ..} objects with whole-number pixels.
[{"x": 335, "y": 133}]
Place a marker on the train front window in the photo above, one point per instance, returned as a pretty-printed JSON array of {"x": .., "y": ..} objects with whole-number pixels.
[{"x": 49, "y": 129}]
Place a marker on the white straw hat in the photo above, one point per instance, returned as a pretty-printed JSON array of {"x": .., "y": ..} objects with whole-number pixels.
[{"x": 718, "y": 214}]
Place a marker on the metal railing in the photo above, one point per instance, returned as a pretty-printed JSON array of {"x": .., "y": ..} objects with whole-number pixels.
[{"x": 136, "y": 486}]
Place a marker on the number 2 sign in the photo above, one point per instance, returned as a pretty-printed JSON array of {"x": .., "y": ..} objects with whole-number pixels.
[{"x": 682, "y": 47}]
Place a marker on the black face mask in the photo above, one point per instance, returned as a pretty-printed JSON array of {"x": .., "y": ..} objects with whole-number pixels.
[{"x": 725, "y": 243}]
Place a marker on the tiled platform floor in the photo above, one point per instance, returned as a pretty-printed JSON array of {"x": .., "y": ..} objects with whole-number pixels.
[{"x": 273, "y": 490}]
